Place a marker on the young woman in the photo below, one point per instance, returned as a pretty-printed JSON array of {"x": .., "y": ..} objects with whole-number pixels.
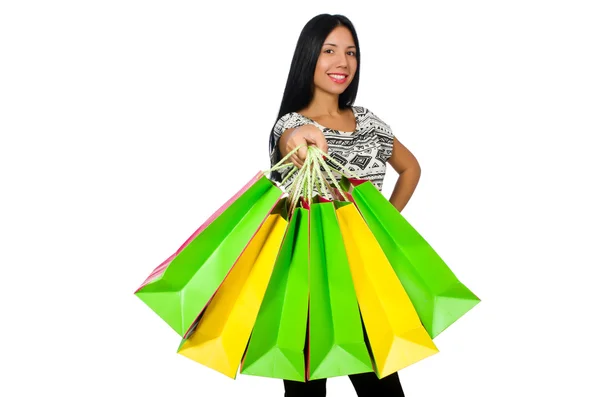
[{"x": 317, "y": 109}]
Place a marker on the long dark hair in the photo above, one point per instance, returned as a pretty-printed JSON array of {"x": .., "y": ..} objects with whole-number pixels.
[{"x": 300, "y": 82}]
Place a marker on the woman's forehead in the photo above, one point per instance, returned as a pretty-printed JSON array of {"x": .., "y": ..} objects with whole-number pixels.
[{"x": 340, "y": 35}]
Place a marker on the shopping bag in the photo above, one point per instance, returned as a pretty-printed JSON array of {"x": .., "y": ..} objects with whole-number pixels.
[
  {"x": 276, "y": 346},
  {"x": 180, "y": 287},
  {"x": 436, "y": 293},
  {"x": 336, "y": 340},
  {"x": 221, "y": 335},
  {"x": 396, "y": 336}
]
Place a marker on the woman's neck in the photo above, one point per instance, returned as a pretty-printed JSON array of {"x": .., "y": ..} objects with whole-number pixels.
[{"x": 323, "y": 104}]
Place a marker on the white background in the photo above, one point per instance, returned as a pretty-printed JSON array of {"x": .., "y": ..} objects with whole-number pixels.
[{"x": 125, "y": 124}]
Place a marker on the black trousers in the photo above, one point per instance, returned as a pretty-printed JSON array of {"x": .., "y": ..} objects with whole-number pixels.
[{"x": 366, "y": 385}]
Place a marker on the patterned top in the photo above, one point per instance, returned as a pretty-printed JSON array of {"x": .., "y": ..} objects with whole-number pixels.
[{"x": 364, "y": 151}]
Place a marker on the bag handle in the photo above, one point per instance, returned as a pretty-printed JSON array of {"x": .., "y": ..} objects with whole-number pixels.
[{"x": 310, "y": 175}]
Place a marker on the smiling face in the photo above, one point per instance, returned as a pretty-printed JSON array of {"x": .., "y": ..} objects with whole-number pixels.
[{"x": 337, "y": 62}]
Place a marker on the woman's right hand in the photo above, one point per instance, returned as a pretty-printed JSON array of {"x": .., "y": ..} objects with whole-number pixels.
[{"x": 307, "y": 134}]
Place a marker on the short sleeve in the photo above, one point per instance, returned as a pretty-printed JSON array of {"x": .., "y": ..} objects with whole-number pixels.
[{"x": 384, "y": 134}]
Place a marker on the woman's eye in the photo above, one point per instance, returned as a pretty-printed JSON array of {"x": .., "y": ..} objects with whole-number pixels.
[{"x": 353, "y": 53}]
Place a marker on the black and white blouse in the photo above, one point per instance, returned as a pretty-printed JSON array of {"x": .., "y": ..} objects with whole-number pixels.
[{"x": 364, "y": 151}]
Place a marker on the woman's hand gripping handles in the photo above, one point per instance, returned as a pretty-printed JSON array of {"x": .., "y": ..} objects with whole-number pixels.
[{"x": 307, "y": 134}]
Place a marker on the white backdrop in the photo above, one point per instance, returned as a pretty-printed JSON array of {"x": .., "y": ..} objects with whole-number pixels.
[{"x": 125, "y": 124}]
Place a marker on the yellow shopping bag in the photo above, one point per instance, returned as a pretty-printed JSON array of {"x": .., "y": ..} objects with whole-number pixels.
[
  {"x": 221, "y": 335},
  {"x": 394, "y": 330}
]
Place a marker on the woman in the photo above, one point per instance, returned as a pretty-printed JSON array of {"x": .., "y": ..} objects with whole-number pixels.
[{"x": 317, "y": 109}]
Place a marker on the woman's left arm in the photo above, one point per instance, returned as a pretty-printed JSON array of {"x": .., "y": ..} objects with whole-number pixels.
[{"x": 409, "y": 171}]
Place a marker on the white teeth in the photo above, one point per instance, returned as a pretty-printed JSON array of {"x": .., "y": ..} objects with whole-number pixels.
[{"x": 338, "y": 76}]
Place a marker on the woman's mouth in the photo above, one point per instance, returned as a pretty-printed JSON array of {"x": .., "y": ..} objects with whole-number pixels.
[{"x": 338, "y": 78}]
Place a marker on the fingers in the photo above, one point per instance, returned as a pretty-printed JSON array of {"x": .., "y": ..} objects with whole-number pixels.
[
  {"x": 305, "y": 136},
  {"x": 318, "y": 139},
  {"x": 323, "y": 145},
  {"x": 321, "y": 142},
  {"x": 296, "y": 161},
  {"x": 301, "y": 153},
  {"x": 310, "y": 140},
  {"x": 299, "y": 156}
]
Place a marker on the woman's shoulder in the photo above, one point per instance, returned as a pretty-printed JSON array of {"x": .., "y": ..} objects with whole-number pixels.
[
  {"x": 367, "y": 116},
  {"x": 291, "y": 117},
  {"x": 290, "y": 120},
  {"x": 360, "y": 109}
]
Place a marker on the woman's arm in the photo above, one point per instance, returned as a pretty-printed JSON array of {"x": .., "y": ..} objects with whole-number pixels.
[{"x": 409, "y": 171}]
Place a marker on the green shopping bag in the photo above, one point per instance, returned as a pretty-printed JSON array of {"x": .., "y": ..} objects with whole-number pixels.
[
  {"x": 276, "y": 347},
  {"x": 179, "y": 289},
  {"x": 436, "y": 293},
  {"x": 336, "y": 341}
]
